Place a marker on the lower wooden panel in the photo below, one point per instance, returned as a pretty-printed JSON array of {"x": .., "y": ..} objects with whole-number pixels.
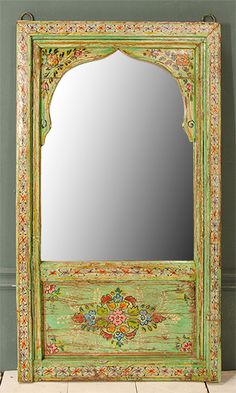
[{"x": 119, "y": 318}]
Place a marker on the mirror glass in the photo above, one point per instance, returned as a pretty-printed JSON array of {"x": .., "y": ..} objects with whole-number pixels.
[{"x": 117, "y": 166}]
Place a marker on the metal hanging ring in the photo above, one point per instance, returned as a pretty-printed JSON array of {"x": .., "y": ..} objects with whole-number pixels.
[
  {"x": 206, "y": 18},
  {"x": 31, "y": 16}
]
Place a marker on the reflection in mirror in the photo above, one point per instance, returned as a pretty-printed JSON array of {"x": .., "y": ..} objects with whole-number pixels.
[{"x": 117, "y": 166}]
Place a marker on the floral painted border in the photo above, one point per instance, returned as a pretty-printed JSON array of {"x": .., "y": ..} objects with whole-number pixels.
[
  {"x": 120, "y": 28},
  {"x": 214, "y": 184},
  {"x": 52, "y": 271},
  {"x": 111, "y": 372},
  {"x": 25, "y": 31},
  {"x": 23, "y": 211}
]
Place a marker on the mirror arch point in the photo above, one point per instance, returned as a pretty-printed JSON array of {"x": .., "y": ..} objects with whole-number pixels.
[{"x": 56, "y": 62}]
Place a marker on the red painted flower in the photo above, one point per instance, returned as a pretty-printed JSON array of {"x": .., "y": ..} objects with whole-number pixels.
[
  {"x": 157, "y": 317},
  {"x": 106, "y": 335},
  {"x": 189, "y": 87},
  {"x": 131, "y": 335},
  {"x": 130, "y": 299},
  {"x": 106, "y": 299},
  {"x": 50, "y": 288},
  {"x": 187, "y": 346},
  {"x": 78, "y": 318}
]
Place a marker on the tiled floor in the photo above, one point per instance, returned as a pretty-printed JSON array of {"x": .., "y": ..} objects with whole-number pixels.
[{"x": 10, "y": 385}]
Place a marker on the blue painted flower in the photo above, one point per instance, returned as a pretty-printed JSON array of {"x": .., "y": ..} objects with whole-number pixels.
[
  {"x": 118, "y": 336},
  {"x": 118, "y": 298},
  {"x": 144, "y": 317},
  {"x": 91, "y": 317}
]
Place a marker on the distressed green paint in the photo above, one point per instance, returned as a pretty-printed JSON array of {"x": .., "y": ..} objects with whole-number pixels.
[
  {"x": 171, "y": 306},
  {"x": 184, "y": 295}
]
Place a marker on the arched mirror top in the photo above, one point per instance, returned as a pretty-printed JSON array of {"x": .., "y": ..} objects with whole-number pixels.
[{"x": 178, "y": 62}]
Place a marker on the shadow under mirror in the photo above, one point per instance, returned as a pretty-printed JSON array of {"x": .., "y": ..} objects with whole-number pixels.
[{"x": 117, "y": 166}]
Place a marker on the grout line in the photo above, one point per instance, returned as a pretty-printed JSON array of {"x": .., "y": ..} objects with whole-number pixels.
[
  {"x": 136, "y": 387},
  {"x": 207, "y": 388},
  {"x": 67, "y": 387}
]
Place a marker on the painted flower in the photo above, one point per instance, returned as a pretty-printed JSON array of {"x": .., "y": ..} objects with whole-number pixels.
[
  {"x": 106, "y": 335},
  {"x": 131, "y": 335},
  {"x": 124, "y": 328},
  {"x": 105, "y": 299},
  {"x": 78, "y": 52},
  {"x": 189, "y": 87},
  {"x": 130, "y": 299},
  {"x": 138, "y": 371},
  {"x": 51, "y": 288},
  {"x": 187, "y": 346},
  {"x": 157, "y": 317},
  {"x": 155, "y": 52},
  {"x": 88, "y": 371},
  {"x": 91, "y": 317},
  {"x": 52, "y": 59},
  {"x": 53, "y": 291},
  {"x": 179, "y": 371},
  {"x": 45, "y": 86},
  {"x": 117, "y": 317},
  {"x": 63, "y": 371},
  {"x": 52, "y": 348},
  {"x": 118, "y": 336},
  {"x": 111, "y": 328},
  {"x": 79, "y": 318},
  {"x": 184, "y": 344},
  {"x": 75, "y": 371},
  {"x": 182, "y": 59},
  {"x": 118, "y": 298},
  {"x": 123, "y": 305},
  {"x": 48, "y": 370},
  {"x": 144, "y": 317}
]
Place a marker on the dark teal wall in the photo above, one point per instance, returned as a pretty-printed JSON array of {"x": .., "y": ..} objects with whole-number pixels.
[{"x": 191, "y": 10}]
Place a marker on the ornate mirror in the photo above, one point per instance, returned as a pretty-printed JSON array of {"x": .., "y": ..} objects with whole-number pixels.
[{"x": 118, "y": 201}]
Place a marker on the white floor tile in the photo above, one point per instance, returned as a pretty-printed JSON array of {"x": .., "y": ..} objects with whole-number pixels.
[
  {"x": 171, "y": 387},
  {"x": 10, "y": 385},
  {"x": 227, "y": 384},
  {"x": 101, "y": 387}
]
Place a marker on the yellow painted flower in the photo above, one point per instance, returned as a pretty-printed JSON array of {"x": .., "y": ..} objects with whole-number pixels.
[{"x": 52, "y": 59}]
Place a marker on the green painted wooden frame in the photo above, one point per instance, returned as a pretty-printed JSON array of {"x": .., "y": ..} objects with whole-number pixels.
[{"x": 191, "y": 53}]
